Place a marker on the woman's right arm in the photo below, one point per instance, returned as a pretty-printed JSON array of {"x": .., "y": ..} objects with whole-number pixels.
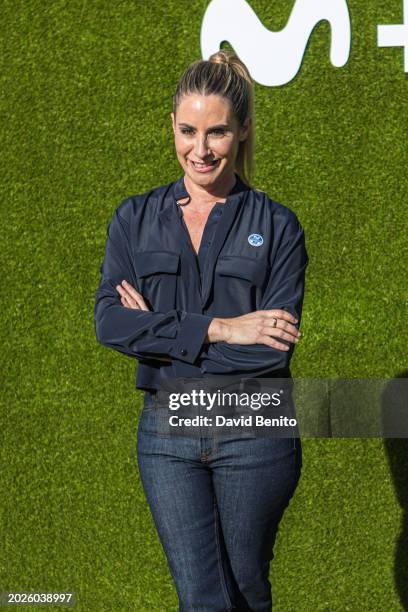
[{"x": 137, "y": 333}]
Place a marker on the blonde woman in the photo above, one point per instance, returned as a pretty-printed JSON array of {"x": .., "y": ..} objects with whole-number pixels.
[{"x": 204, "y": 277}]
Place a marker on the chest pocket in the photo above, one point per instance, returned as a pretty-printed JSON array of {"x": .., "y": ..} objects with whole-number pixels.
[
  {"x": 157, "y": 273},
  {"x": 241, "y": 281}
]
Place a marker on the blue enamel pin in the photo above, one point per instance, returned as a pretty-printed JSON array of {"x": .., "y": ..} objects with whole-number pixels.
[{"x": 255, "y": 240}]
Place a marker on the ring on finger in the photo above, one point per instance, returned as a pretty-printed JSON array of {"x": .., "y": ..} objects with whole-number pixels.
[{"x": 274, "y": 321}]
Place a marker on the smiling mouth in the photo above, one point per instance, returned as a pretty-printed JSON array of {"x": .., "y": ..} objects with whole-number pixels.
[{"x": 205, "y": 166}]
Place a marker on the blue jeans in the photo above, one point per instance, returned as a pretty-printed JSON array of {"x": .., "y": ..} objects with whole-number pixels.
[{"x": 216, "y": 504}]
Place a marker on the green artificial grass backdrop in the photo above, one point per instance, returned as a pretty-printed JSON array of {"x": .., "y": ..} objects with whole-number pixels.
[{"x": 86, "y": 93}]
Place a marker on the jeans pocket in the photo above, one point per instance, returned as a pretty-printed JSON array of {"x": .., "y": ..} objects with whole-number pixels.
[
  {"x": 146, "y": 409},
  {"x": 149, "y": 401},
  {"x": 154, "y": 421}
]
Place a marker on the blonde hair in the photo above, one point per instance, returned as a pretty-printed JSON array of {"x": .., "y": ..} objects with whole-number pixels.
[{"x": 224, "y": 74}]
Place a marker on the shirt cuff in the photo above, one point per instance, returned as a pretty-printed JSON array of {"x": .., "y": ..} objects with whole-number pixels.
[{"x": 190, "y": 338}]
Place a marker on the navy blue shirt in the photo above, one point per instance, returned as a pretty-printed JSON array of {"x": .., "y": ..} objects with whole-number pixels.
[
  {"x": 252, "y": 256},
  {"x": 208, "y": 234}
]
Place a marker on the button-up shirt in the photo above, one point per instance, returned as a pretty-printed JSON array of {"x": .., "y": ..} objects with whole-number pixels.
[
  {"x": 208, "y": 234},
  {"x": 252, "y": 256}
]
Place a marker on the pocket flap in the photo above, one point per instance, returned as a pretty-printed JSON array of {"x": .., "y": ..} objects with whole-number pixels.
[
  {"x": 156, "y": 262},
  {"x": 252, "y": 270}
]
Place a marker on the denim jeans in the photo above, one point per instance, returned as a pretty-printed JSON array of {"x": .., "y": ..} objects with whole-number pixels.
[{"x": 216, "y": 504}]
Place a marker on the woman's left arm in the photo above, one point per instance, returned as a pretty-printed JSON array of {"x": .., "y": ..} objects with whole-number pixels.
[{"x": 285, "y": 290}]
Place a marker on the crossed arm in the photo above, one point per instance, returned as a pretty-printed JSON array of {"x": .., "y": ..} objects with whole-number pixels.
[
  {"x": 252, "y": 343},
  {"x": 259, "y": 327}
]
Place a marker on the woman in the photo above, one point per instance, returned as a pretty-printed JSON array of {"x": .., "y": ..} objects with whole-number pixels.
[{"x": 204, "y": 277}]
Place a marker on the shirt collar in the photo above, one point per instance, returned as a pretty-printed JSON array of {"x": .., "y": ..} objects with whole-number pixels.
[{"x": 180, "y": 191}]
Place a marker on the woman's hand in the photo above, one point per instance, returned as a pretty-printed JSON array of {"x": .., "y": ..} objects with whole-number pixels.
[
  {"x": 131, "y": 298},
  {"x": 259, "y": 327}
]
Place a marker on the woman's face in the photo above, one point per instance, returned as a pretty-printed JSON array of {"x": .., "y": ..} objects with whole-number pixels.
[{"x": 207, "y": 136}]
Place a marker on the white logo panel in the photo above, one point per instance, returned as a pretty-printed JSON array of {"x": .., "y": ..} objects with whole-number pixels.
[{"x": 274, "y": 58}]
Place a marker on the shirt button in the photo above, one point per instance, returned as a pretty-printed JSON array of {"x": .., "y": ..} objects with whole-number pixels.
[{"x": 183, "y": 352}]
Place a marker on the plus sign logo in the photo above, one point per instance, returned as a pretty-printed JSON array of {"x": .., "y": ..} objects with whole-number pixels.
[
  {"x": 275, "y": 58},
  {"x": 396, "y": 35}
]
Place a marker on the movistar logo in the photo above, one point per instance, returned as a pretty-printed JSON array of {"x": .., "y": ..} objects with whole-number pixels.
[{"x": 274, "y": 58}]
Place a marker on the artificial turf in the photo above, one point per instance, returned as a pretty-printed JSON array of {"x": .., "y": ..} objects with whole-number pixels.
[{"x": 85, "y": 102}]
